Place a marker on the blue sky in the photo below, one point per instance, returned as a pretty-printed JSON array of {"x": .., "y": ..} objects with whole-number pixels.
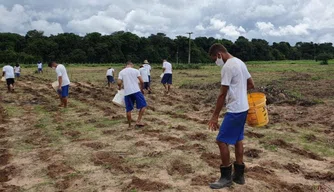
[{"x": 273, "y": 20}]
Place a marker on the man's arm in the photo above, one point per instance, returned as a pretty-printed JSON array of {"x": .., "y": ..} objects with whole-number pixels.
[
  {"x": 3, "y": 74},
  {"x": 119, "y": 83},
  {"x": 250, "y": 84},
  {"x": 213, "y": 123},
  {"x": 60, "y": 81},
  {"x": 141, "y": 82}
]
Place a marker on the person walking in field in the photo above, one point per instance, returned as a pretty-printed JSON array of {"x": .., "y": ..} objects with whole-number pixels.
[
  {"x": 63, "y": 81},
  {"x": 110, "y": 76},
  {"x": 235, "y": 81},
  {"x": 8, "y": 73},
  {"x": 144, "y": 74},
  {"x": 149, "y": 68},
  {"x": 129, "y": 77},
  {"x": 40, "y": 67},
  {"x": 17, "y": 70},
  {"x": 167, "y": 79}
]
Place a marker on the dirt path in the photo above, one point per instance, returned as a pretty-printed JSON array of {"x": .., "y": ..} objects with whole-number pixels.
[{"x": 88, "y": 147}]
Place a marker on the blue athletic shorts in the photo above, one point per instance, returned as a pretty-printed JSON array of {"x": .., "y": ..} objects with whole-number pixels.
[
  {"x": 232, "y": 129},
  {"x": 40, "y": 69},
  {"x": 110, "y": 79},
  {"x": 64, "y": 91},
  {"x": 17, "y": 74},
  {"x": 167, "y": 79},
  {"x": 137, "y": 98}
]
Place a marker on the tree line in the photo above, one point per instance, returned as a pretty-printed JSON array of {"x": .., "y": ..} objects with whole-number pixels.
[{"x": 121, "y": 46}]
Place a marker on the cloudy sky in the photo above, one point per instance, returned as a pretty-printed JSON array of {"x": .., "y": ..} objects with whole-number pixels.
[{"x": 273, "y": 20}]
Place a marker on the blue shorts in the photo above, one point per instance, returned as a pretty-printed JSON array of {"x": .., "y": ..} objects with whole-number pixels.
[
  {"x": 40, "y": 69},
  {"x": 137, "y": 98},
  {"x": 149, "y": 78},
  {"x": 232, "y": 129},
  {"x": 146, "y": 85},
  {"x": 167, "y": 79},
  {"x": 17, "y": 74},
  {"x": 110, "y": 79},
  {"x": 64, "y": 91}
]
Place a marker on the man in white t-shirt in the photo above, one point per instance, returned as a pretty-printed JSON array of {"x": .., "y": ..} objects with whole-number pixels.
[
  {"x": 63, "y": 81},
  {"x": 8, "y": 73},
  {"x": 129, "y": 77},
  {"x": 110, "y": 76},
  {"x": 167, "y": 79},
  {"x": 235, "y": 81},
  {"x": 40, "y": 67},
  {"x": 144, "y": 75},
  {"x": 17, "y": 70},
  {"x": 149, "y": 68}
]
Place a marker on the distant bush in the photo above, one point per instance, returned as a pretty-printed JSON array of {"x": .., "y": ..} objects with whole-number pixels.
[{"x": 323, "y": 57}]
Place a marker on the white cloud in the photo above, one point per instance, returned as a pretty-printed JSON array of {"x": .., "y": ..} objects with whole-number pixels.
[
  {"x": 268, "y": 29},
  {"x": 97, "y": 23},
  {"x": 274, "y": 20},
  {"x": 48, "y": 28}
]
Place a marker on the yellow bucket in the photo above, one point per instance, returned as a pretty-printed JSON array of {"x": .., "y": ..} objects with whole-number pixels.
[{"x": 257, "y": 113}]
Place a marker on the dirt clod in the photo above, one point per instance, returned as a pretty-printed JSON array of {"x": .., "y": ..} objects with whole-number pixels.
[
  {"x": 292, "y": 168},
  {"x": 251, "y": 134},
  {"x": 198, "y": 136},
  {"x": 212, "y": 159},
  {"x": 111, "y": 161},
  {"x": 253, "y": 153},
  {"x": 145, "y": 185},
  {"x": 59, "y": 169},
  {"x": 177, "y": 166},
  {"x": 95, "y": 145},
  {"x": 202, "y": 180},
  {"x": 329, "y": 176},
  {"x": 172, "y": 140}
]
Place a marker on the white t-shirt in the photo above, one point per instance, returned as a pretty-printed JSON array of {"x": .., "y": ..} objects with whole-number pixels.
[
  {"x": 168, "y": 67},
  {"x": 235, "y": 74},
  {"x": 129, "y": 76},
  {"x": 17, "y": 69},
  {"x": 109, "y": 72},
  {"x": 148, "y": 67},
  {"x": 39, "y": 65},
  {"x": 9, "y": 71},
  {"x": 144, "y": 74},
  {"x": 61, "y": 72}
]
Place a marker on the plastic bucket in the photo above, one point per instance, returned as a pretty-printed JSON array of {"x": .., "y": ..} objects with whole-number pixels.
[
  {"x": 119, "y": 98},
  {"x": 55, "y": 86},
  {"x": 3, "y": 79},
  {"x": 257, "y": 113}
]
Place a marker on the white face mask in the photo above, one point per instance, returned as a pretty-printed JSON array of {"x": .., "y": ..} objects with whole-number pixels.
[{"x": 220, "y": 62}]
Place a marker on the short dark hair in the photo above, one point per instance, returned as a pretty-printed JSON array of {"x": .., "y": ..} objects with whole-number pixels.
[
  {"x": 50, "y": 63},
  {"x": 216, "y": 48},
  {"x": 129, "y": 63}
]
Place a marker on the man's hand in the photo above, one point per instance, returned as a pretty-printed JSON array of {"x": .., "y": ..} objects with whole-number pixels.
[
  {"x": 59, "y": 88},
  {"x": 142, "y": 91},
  {"x": 213, "y": 123}
]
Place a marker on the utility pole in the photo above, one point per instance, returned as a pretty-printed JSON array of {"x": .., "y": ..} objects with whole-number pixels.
[{"x": 189, "y": 54}]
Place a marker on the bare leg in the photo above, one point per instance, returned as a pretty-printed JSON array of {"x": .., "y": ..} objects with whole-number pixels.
[
  {"x": 165, "y": 86},
  {"x": 128, "y": 116},
  {"x": 140, "y": 115},
  {"x": 239, "y": 152},
  {"x": 65, "y": 101},
  {"x": 224, "y": 153},
  {"x": 168, "y": 88},
  {"x": 61, "y": 101}
]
